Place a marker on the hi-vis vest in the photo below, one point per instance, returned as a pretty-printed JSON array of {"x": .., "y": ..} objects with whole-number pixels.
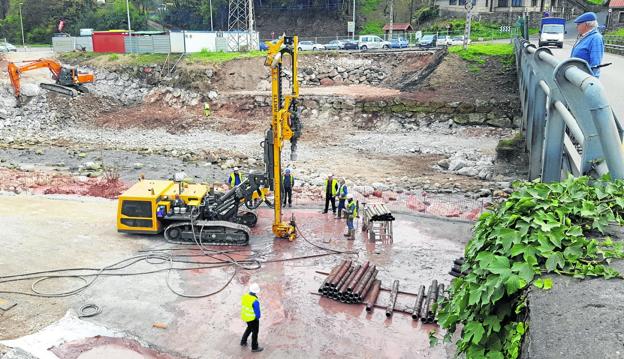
[
  {"x": 247, "y": 311},
  {"x": 233, "y": 179},
  {"x": 292, "y": 180},
  {"x": 352, "y": 208},
  {"x": 334, "y": 187},
  {"x": 342, "y": 191}
]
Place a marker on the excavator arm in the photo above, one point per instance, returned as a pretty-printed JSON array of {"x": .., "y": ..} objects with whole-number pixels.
[{"x": 285, "y": 125}]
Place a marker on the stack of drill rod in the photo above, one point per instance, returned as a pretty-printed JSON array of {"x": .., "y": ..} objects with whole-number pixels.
[
  {"x": 456, "y": 270},
  {"x": 426, "y": 306},
  {"x": 348, "y": 282},
  {"x": 378, "y": 212}
]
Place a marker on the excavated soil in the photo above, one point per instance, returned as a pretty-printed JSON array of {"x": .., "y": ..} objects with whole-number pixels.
[
  {"x": 457, "y": 80},
  {"x": 150, "y": 116}
]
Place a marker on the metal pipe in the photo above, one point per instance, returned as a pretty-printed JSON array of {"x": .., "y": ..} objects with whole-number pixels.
[
  {"x": 362, "y": 294},
  {"x": 332, "y": 275},
  {"x": 570, "y": 121},
  {"x": 342, "y": 280},
  {"x": 365, "y": 278},
  {"x": 341, "y": 273},
  {"x": 356, "y": 278},
  {"x": 343, "y": 287},
  {"x": 440, "y": 291},
  {"x": 371, "y": 299},
  {"x": 425, "y": 312},
  {"x": 433, "y": 307},
  {"x": 419, "y": 302},
  {"x": 393, "y": 297}
]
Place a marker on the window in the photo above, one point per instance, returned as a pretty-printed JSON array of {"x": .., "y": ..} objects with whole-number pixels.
[
  {"x": 534, "y": 3},
  {"x": 621, "y": 19},
  {"x": 452, "y": 2},
  {"x": 137, "y": 209},
  {"x": 516, "y": 3},
  {"x": 486, "y": 3},
  {"x": 503, "y": 3}
]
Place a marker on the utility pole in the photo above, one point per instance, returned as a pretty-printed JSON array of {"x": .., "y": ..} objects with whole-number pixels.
[
  {"x": 211, "y": 28},
  {"x": 468, "y": 7},
  {"x": 22, "y": 25},
  {"x": 353, "y": 33},
  {"x": 391, "y": 18},
  {"x": 129, "y": 26}
]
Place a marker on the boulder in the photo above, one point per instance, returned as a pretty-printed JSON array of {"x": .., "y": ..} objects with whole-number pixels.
[{"x": 327, "y": 82}]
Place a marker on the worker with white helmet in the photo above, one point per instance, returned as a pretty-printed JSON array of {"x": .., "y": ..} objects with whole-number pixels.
[
  {"x": 250, "y": 314},
  {"x": 352, "y": 213},
  {"x": 235, "y": 178},
  {"x": 331, "y": 188}
]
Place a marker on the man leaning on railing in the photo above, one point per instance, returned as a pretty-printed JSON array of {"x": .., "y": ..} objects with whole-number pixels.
[{"x": 589, "y": 45}]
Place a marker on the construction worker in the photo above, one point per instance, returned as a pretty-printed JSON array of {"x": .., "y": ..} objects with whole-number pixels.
[
  {"x": 351, "y": 215},
  {"x": 250, "y": 314},
  {"x": 288, "y": 182},
  {"x": 342, "y": 196},
  {"x": 235, "y": 178},
  {"x": 207, "y": 111},
  {"x": 331, "y": 188}
]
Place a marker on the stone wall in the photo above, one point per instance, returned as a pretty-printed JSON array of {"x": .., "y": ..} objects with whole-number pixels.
[{"x": 393, "y": 114}]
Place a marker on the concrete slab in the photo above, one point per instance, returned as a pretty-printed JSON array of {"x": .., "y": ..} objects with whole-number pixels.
[{"x": 45, "y": 233}]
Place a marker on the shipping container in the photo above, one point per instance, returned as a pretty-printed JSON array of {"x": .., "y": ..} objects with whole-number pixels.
[{"x": 109, "y": 41}]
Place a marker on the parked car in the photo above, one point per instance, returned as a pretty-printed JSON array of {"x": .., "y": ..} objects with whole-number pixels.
[
  {"x": 6, "y": 47},
  {"x": 399, "y": 43},
  {"x": 372, "y": 42},
  {"x": 310, "y": 45},
  {"x": 444, "y": 40},
  {"x": 428, "y": 41},
  {"x": 458, "y": 40},
  {"x": 335, "y": 45},
  {"x": 350, "y": 45}
]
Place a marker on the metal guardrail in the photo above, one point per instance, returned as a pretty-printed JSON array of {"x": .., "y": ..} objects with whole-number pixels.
[{"x": 568, "y": 123}]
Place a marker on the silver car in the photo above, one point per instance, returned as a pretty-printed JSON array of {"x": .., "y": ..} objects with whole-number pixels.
[
  {"x": 335, "y": 45},
  {"x": 6, "y": 47},
  {"x": 310, "y": 45}
]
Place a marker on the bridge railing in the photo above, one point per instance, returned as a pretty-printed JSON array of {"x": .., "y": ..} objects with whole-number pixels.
[{"x": 568, "y": 123}]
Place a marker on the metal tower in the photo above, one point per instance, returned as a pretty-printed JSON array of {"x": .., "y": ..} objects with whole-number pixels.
[{"x": 242, "y": 36}]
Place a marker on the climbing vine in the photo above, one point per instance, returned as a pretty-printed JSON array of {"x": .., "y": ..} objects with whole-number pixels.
[{"x": 541, "y": 228}]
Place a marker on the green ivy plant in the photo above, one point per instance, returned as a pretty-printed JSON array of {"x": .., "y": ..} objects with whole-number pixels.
[{"x": 541, "y": 228}]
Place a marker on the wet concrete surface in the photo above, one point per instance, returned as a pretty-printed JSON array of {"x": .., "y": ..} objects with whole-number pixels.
[{"x": 49, "y": 233}]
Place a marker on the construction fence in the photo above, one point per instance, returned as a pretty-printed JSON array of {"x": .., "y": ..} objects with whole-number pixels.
[{"x": 161, "y": 43}]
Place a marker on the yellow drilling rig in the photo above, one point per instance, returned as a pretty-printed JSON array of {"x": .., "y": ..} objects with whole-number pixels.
[{"x": 195, "y": 212}]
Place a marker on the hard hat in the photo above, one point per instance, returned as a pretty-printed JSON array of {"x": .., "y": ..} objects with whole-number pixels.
[
  {"x": 331, "y": 175},
  {"x": 349, "y": 196},
  {"x": 235, "y": 168},
  {"x": 254, "y": 288},
  {"x": 288, "y": 170}
]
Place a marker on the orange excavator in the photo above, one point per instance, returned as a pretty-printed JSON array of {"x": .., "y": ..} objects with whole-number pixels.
[{"x": 68, "y": 79}]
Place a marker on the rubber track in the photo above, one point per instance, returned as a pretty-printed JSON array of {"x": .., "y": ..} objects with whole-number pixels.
[{"x": 229, "y": 226}]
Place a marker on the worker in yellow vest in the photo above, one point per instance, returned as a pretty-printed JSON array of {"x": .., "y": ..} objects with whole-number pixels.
[
  {"x": 352, "y": 214},
  {"x": 250, "y": 314},
  {"x": 342, "y": 193},
  {"x": 331, "y": 188},
  {"x": 235, "y": 178}
]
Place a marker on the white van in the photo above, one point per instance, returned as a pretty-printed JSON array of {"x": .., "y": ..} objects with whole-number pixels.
[{"x": 372, "y": 42}]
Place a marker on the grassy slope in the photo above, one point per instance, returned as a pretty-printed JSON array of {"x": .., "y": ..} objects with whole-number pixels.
[{"x": 148, "y": 59}]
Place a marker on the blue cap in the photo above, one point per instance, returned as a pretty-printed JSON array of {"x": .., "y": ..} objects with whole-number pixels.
[
  {"x": 288, "y": 170},
  {"x": 588, "y": 16}
]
